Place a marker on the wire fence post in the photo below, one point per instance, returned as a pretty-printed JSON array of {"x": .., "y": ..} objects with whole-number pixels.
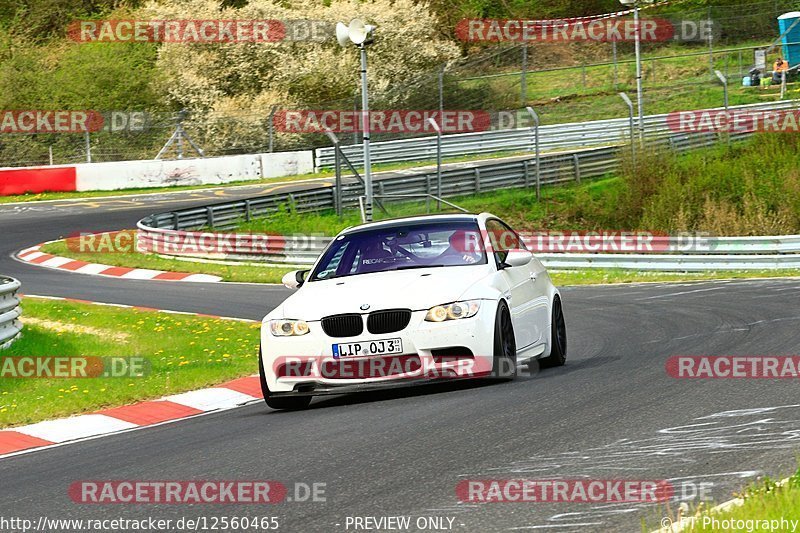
[
  {"x": 88, "y": 146},
  {"x": 441, "y": 90},
  {"x": 50, "y": 152},
  {"x": 272, "y": 127},
  {"x": 614, "y": 56},
  {"x": 337, "y": 168},
  {"x": 436, "y": 127},
  {"x": 523, "y": 80},
  {"x": 710, "y": 46},
  {"x": 724, "y": 81},
  {"x": 783, "y": 84},
  {"x": 630, "y": 126},
  {"x": 535, "y": 118}
]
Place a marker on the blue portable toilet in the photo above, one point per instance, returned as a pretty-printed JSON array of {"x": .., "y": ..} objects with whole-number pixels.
[{"x": 791, "y": 52}]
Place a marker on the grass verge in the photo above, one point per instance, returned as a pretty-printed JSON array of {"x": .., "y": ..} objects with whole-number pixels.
[
  {"x": 228, "y": 272},
  {"x": 767, "y": 506},
  {"x": 264, "y": 274},
  {"x": 182, "y": 353}
]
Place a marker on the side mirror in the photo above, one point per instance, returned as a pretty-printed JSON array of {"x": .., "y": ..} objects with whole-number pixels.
[
  {"x": 518, "y": 258},
  {"x": 294, "y": 279}
]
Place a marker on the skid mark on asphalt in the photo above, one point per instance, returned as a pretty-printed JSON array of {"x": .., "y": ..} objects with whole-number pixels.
[
  {"x": 676, "y": 448},
  {"x": 681, "y": 293},
  {"x": 724, "y": 330}
]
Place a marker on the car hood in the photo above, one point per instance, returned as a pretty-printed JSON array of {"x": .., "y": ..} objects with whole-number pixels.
[{"x": 411, "y": 289}]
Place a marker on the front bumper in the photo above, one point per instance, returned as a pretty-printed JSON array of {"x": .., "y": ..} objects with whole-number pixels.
[{"x": 314, "y": 370}]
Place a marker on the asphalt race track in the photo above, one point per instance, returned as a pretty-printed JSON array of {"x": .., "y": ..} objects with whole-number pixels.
[{"x": 611, "y": 412}]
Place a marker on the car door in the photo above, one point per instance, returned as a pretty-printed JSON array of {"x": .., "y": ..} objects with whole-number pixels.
[{"x": 521, "y": 294}]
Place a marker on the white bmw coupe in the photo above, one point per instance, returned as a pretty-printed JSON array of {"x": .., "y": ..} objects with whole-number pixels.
[{"x": 409, "y": 300}]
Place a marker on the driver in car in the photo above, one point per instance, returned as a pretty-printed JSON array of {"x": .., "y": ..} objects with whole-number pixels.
[{"x": 464, "y": 248}]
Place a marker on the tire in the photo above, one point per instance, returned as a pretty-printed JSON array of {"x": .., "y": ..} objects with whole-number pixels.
[
  {"x": 504, "y": 361},
  {"x": 289, "y": 403},
  {"x": 558, "y": 338}
]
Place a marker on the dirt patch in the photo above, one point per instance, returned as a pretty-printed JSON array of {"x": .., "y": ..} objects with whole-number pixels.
[{"x": 63, "y": 327}]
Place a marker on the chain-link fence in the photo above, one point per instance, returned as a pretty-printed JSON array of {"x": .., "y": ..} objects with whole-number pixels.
[{"x": 564, "y": 82}]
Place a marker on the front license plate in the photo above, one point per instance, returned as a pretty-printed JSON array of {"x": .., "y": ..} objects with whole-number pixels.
[{"x": 368, "y": 348}]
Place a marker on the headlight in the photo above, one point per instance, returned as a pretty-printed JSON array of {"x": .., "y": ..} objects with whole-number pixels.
[
  {"x": 453, "y": 311},
  {"x": 288, "y": 328}
]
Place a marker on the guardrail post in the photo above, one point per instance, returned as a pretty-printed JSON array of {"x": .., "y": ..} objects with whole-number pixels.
[
  {"x": 247, "y": 210},
  {"x": 209, "y": 217},
  {"x": 477, "y": 180},
  {"x": 576, "y": 163},
  {"x": 526, "y": 174},
  {"x": 175, "y": 220},
  {"x": 535, "y": 118},
  {"x": 427, "y": 193},
  {"x": 630, "y": 126}
]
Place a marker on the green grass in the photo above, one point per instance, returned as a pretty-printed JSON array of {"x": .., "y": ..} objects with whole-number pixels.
[
  {"x": 561, "y": 208},
  {"x": 670, "y": 84},
  {"x": 264, "y": 274},
  {"x": 243, "y": 273},
  {"x": 593, "y": 205},
  {"x": 184, "y": 353},
  {"x": 766, "y": 501}
]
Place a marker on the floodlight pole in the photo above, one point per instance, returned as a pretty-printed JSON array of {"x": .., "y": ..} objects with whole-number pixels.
[{"x": 365, "y": 132}]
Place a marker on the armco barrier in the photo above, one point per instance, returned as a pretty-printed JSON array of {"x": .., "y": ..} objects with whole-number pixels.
[
  {"x": 157, "y": 231},
  {"x": 715, "y": 253},
  {"x": 10, "y": 326},
  {"x": 611, "y": 132}
]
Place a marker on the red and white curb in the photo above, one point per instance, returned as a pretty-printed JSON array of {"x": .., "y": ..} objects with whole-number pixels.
[
  {"x": 54, "y": 432},
  {"x": 228, "y": 395},
  {"x": 34, "y": 256}
]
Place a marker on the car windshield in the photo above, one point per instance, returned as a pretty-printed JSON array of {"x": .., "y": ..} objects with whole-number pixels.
[{"x": 400, "y": 247}]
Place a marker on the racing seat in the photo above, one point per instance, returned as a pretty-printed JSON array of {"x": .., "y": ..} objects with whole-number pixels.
[{"x": 374, "y": 258}]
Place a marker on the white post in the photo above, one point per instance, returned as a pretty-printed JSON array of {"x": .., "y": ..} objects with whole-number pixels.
[
  {"x": 630, "y": 115},
  {"x": 438, "y": 130},
  {"x": 724, "y": 81},
  {"x": 535, "y": 118},
  {"x": 366, "y": 132}
]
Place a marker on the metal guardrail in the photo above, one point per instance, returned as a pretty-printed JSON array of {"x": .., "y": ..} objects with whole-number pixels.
[
  {"x": 554, "y": 169},
  {"x": 157, "y": 232},
  {"x": 10, "y": 326},
  {"x": 722, "y": 253},
  {"x": 610, "y": 132}
]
